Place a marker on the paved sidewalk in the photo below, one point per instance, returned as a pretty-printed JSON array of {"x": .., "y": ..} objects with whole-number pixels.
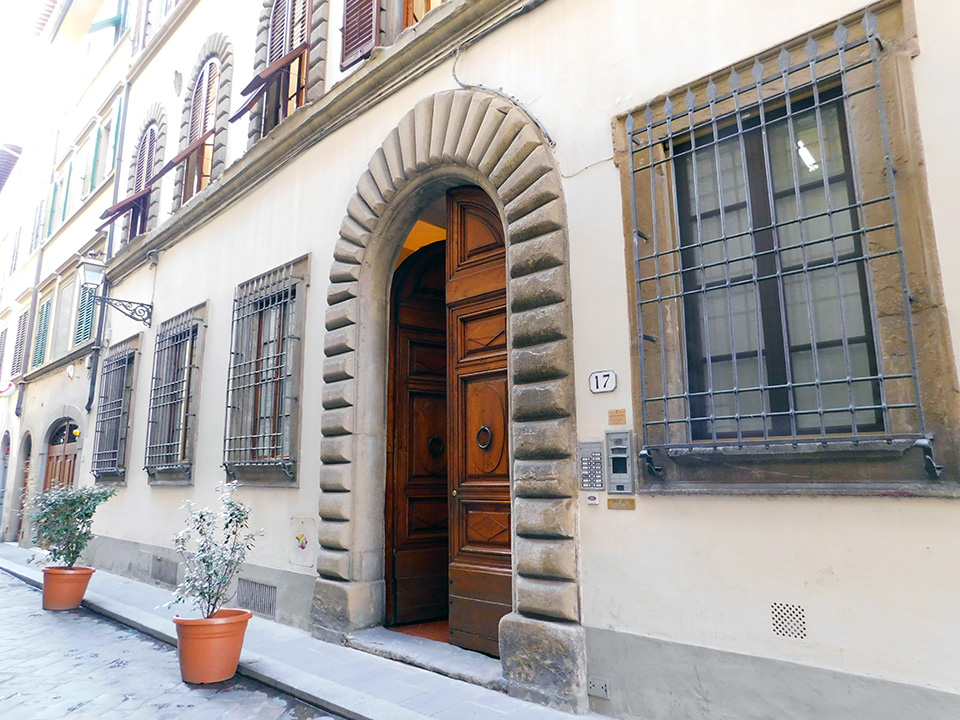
[
  {"x": 341, "y": 680},
  {"x": 80, "y": 666}
]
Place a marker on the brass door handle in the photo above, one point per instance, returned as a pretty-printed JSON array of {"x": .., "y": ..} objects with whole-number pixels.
[{"x": 454, "y": 493}]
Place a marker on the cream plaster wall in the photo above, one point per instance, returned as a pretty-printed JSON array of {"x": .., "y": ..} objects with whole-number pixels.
[{"x": 877, "y": 576}]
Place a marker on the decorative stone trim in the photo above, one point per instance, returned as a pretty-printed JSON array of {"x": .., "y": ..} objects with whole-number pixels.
[
  {"x": 155, "y": 116},
  {"x": 319, "y": 27},
  {"x": 217, "y": 46},
  {"x": 454, "y": 138}
]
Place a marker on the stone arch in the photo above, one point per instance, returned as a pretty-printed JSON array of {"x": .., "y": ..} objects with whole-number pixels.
[
  {"x": 155, "y": 116},
  {"x": 451, "y": 138},
  {"x": 217, "y": 46},
  {"x": 317, "y": 66}
]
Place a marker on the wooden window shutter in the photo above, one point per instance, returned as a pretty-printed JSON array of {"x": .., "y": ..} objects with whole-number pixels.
[
  {"x": 19, "y": 345},
  {"x": 84, "y": 316},
  {"x": 213, "y": 84},
  {"x": 15, "y": 255},
  {"x": 43, "y": 324},
  {"x": 3, "y": 348},
  {"x": 279, "y": 31},
  {"x": 361, "y": 25},
  {"x": 299, "y": 35},
  {"x": 196, "y": 106},
  {"x": 146, "y": 158}
]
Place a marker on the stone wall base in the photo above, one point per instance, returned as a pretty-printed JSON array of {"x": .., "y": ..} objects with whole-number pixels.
[
  {"x": 342, "y": 607},
  {"x": 545, "y": 662}
]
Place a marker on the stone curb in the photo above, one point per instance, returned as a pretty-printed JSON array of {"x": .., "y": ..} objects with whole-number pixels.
[{"x": 324, "y": 694}]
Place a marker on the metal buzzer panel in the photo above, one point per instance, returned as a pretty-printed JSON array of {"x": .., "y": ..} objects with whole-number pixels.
[{"x": 591, "y": 466}]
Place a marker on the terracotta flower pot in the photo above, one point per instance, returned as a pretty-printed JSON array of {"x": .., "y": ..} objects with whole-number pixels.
[
  {"x": 210, "y": 647},
  {"x": 63, "y": 587}
]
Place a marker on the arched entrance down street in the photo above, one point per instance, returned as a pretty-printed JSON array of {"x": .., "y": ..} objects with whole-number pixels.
[
  {"x": 447, "y": 532},
  {"x": 61, "y": 455},
  {"x": 450, "y": 140},
  {"x": 23, "y": 483}
]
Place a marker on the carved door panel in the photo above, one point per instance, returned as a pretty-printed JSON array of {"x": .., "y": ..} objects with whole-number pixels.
[
  {"x": 480, "y": 567},
  {"x": 61, "y": 457},
  {"x": 417, "y": 453}
]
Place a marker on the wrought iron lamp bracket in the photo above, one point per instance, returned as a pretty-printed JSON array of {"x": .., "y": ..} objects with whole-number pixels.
[{"x": 134, "y": 310}]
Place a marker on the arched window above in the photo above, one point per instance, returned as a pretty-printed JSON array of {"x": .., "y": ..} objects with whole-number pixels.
[
  {"x": 282, "y": 83},
  {"x": 203, "y": 115},
  {"x": 143, "y": 170}
]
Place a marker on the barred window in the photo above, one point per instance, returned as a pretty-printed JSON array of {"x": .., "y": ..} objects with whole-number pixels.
[
  {"x": 113, "y": 409},
  {"x": 771, "y": 281},
  {"x": 173, "y": 394},
  {"x": 262, "y": 407}
]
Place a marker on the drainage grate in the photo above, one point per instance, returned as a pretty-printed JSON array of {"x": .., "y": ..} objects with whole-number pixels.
[
  {"x": 789, "y": 620},
  {"x": 257, "y": 597},
  {"x": 164, "y": 571}
]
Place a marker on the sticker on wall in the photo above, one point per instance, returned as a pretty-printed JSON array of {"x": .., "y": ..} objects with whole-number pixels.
[
  {"x": 302, "y": 541},
  {"x": 302, "y": 549},
  {"x": 617, "y": 417}
]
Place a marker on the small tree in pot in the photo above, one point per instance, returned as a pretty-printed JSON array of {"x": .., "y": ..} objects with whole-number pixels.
[
  {"x": 64, "y": 527},
  {"x": 210, "y": 646}
]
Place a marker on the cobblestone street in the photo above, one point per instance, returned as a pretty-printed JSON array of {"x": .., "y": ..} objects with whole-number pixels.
[{"x": 76, "y": 664}]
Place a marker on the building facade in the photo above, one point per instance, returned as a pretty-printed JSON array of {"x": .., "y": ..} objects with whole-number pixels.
[{"x": 615, "y": 337}]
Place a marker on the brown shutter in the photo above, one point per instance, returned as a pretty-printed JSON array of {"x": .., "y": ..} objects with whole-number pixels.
[
  {"x": 213, "y": 84},
  {"x": 279, "y": 31},
  {"x": 141, "y": 172},
  {"x": 299, "y": 34},
  {"x": 196, "y": 106},
  {"x": 151, "y": 162},
  {"x": 360, "y": 30}
]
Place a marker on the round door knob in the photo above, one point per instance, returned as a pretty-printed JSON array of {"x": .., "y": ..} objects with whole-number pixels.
[
  {"x": 454, "y": 493},
  {"x": 435, "y": 446}
]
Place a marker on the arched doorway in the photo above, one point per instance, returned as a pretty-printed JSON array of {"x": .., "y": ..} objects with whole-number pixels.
[
  {"x": 23, "y": 482},
  {"x": 448, "y": 140},
  {"x": 448, "y": 479},
  {"x": 61, "y": 455}
]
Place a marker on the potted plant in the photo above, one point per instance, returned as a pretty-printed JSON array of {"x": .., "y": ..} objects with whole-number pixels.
[
  {"x": 64, "y": 521},
  {"x": 209, "y": 646}
]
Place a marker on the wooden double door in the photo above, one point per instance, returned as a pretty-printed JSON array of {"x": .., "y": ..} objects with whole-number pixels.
[
  {"x": 61, "y": 456},
  {"x": 448, "y": 479}
]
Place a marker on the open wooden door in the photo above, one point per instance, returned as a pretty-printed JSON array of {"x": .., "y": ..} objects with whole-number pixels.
[
  {"x": 416, "y": 498},
  {"x": 61, "y": 456},
  {"x": 479, "y": 460}
]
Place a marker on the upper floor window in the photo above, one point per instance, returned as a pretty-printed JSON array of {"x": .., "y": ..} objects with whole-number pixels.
[
  {"x": 368, "y": 23},
  {"x": 43, "y": 327},
  {"x": 113, "y": 410},
  {"x": 771, "y": 285},
  {"x": 414, "y": 10},
  {"x": 173, "y": 395},
  {"x": 19, "y": 345},
  {"x": 198, "y": 162},
  {"x": 263, "y": 384},
  {"x": 151, "y": 16},
  {"x": 144, "y": 167}
]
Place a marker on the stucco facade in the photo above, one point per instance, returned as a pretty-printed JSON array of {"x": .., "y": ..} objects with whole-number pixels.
[{"x": 661, "y": 601}]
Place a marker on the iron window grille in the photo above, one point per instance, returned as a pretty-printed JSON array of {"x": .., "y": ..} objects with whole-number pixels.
[
  {"x": 771, "y": 283},
  {"x": 173, "y": 394},
  {"x": 264, "y": 367},
  {"x": 113, "y": 408}
]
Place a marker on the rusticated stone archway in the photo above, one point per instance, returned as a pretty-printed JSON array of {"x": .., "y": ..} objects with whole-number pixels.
[{"x": 454, "y": 138}]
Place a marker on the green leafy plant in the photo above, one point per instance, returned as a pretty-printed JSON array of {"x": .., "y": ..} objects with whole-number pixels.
[
  {"x": 64, "y": 520},
  {"x": 222, "y": 539}
]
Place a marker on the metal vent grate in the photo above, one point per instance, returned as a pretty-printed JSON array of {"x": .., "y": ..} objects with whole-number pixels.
[
  {"x": 164, "y": 571},
  {"x": 257, "y": 597},
  {"x": 788, "y": 620}
]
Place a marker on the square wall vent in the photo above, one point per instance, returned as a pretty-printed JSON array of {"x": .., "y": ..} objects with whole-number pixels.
[{"x": 789, "y": 621}]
